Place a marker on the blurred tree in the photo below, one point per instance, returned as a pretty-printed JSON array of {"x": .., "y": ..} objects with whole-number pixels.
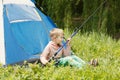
[{"x": 71, "y": 13}]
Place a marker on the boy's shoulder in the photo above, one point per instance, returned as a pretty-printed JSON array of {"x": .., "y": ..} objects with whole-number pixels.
[{"x": 50, "y": 43}]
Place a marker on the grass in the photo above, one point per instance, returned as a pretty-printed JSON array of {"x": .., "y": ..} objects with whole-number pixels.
[{"x": 86, "y": 46}]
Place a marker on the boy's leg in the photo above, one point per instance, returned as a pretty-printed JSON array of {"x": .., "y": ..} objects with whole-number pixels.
[
  {"x": 78, "y": 59},
  {"x": 64, "y": 61},
  {"x": 70, "y": 61}
]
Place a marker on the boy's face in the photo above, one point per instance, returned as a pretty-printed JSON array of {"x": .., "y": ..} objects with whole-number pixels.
[{"x": 59, "y": 39}]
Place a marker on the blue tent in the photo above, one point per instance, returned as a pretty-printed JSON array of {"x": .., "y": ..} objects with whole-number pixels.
[{"x": 24, "y": 31}]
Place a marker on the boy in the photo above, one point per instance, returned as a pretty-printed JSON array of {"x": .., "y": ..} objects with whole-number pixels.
[{"x": 64, "y": 56}]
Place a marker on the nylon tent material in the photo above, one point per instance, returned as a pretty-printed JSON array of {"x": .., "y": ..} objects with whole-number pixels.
[{"x": 25, "y": 31}]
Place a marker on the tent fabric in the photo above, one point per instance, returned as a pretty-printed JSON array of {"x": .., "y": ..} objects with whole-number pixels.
[
  {"x": 23, "y": 2},
  {"x": 24, "y": 33},
  {"x": 25, "y": 13},
  {"x": 2, "y": 46}
]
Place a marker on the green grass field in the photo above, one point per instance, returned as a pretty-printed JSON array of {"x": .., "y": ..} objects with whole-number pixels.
[{"x": 86, "y": 46}]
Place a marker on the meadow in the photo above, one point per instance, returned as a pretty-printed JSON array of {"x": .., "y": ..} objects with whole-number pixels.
[{"x": 86, "y": 46}]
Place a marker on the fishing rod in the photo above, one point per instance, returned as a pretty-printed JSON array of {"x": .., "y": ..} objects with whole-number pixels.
[{"x": 76, "y": 31}]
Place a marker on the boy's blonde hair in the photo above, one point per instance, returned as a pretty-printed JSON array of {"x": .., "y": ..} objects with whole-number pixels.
[{"x": 54, "y": 33}]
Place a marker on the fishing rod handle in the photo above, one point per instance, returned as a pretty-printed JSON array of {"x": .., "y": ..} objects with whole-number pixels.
[{"x": 52, "y": 58}]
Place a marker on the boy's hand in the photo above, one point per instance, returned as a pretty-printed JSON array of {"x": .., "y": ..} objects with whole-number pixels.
[{"x": 69, "y": 40}]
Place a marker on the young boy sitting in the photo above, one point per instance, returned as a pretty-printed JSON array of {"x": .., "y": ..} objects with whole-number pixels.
[{"x": 64, "y": 56}]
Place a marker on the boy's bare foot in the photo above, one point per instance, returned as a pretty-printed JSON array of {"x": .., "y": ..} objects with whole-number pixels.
[{"x": 94, "y": 62}]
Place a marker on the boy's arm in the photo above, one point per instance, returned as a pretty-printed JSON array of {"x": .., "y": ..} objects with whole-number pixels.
[
  {"x": 43, "y": 60},
  {"x": 44, "y": 55},
  {"x": 67, "y": 50}
]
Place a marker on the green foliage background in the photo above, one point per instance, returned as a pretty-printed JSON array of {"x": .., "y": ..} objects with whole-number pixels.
[{"x": 72, "y": 13}]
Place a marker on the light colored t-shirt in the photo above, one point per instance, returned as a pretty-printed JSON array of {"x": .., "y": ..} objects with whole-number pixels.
[{"x": 50, "y": 50}]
